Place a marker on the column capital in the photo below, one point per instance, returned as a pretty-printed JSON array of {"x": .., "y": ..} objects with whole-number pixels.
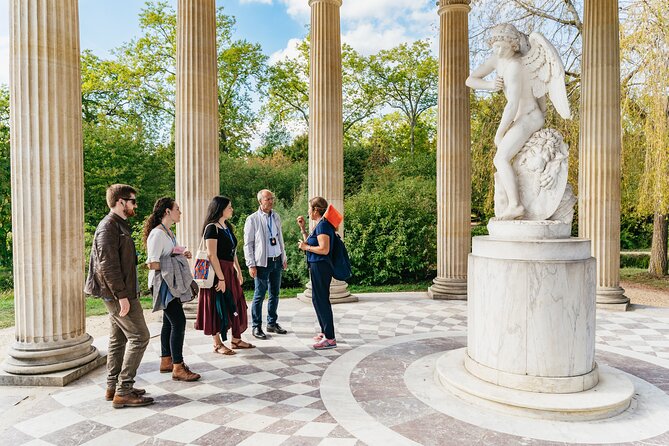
[
  {"x": 332, "y": 2},
  {"x": 446, "y": 5}
]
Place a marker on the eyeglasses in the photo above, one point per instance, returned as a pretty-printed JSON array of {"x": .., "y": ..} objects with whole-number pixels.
[{"x": 132, "y": 200}]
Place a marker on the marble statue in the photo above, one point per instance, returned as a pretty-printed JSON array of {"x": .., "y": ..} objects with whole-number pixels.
[{"x": 528, "y": 68}]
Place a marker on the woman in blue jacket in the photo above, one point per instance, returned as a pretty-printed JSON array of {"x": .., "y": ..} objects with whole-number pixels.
[{"x": 317, "y": 246}]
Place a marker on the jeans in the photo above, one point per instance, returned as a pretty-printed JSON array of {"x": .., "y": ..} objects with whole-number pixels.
[
  {"x": 267, "y": 277},
  {"x": 173, "y": 331},
  {"x": 128, "y": 338}
]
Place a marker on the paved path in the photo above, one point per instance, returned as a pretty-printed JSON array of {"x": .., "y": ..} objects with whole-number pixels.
[{"x": 276, "y": 394}]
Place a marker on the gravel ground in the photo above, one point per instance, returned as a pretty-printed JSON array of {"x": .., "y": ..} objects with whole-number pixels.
[{"x": 643, "y": 295}]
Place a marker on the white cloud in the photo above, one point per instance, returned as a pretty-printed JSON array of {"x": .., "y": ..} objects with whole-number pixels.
[
  {"x": 289, "y": 52},
  {"x": 4, "y": 60},
  {"x": 368, "y": 38},
  {"x": 264, "y": 2},
  {"x": 299, "y": 10}
]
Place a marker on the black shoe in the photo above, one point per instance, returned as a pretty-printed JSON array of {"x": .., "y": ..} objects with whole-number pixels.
[
  {"x": 258, "y": 333},
  {"x": 276, "y": 328}
]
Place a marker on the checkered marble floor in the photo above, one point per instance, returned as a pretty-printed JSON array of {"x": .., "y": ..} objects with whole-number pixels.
[{"x": 271, "y": 395}]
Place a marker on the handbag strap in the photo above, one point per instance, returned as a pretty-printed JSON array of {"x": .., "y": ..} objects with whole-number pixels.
[{"x": 201, "y": 245}]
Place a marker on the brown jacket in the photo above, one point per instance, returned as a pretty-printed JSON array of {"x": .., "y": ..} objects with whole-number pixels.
[{"x": 112, "y": 270}]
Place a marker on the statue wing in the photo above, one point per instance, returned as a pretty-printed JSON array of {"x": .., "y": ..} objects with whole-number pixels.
[{"x": 546, "y": 73}]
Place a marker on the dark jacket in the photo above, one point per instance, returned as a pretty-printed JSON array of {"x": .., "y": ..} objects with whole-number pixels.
[{"x": 112, "y": 270}]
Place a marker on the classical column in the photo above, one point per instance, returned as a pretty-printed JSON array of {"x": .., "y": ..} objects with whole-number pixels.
[
  {"x": 600, "y": 147},
  {"x": 47, "y": 192},
  {"x": 326, "y": 149},
  {"x": 453, "y": 158},
  {"x": 196, "y": 133}
]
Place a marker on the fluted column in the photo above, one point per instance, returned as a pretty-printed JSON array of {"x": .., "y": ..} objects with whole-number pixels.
[
  {"x": 196, "y": 133},
  {"x": 453, "y": 153},
  {"x": 326, "y": 133},
  {"x": 600, "y": 147},
  {"x": 47, "y": 189}
]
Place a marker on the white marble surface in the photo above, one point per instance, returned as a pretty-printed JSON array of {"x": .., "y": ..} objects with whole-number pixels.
[
  {"x": 531, "y": 249},
  {"x": 532, "y": 317},
  {"x": 528, "y": 229}
]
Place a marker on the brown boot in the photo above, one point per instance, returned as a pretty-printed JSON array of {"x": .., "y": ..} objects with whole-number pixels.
[
  {"x": 166, "y": 365},
  {"x": 181, "y": 372},
  {"x": 131, "y": 400},
  {"x": 111, "y": 391}
]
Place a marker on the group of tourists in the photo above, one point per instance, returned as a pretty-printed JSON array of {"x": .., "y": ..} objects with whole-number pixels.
[{"x": 112, "y": 276}]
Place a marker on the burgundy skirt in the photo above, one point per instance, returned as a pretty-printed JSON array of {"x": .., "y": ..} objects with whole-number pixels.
[{"x": 207, "y": 319}]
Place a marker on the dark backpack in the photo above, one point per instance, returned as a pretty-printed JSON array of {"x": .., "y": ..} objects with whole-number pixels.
[{"x": 341, "y": 264}]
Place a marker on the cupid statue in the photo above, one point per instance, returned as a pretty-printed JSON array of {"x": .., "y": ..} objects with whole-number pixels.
[{"x": 528, "y": 69}]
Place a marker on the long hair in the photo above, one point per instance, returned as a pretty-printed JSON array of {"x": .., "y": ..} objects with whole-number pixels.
[
  {"x": 215, "y": 210},
  {"x": 153, "y": 220}
]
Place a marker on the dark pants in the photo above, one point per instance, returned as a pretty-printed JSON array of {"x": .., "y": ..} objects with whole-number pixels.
[
  {"x": 130, "y": 330},
  {"x": 267, "y": 277},
  {"x": 173, "y": 331},
  {"x": 321, "y": 276}
]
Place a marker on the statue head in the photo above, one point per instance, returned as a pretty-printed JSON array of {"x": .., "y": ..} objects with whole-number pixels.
[{"x": 507, "y": 33}]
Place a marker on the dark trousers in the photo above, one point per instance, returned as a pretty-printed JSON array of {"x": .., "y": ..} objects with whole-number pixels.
[
  {"x": 268, "y": 278},
  {"x": 321, "y": 276},
  {"x": 128, "y": 331},
  {"x": 173, "y": 331}
]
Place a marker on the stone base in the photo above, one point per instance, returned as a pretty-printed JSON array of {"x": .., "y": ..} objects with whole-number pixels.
[
  {"x": 448, "y": 289},
  {"x": 613, "y": 299},
  {"x": 610, "y": 397},
  {"x": 339, "y": 293},
  {"x": 190, "y": 309},
  {"x": 57, "y": 379}
]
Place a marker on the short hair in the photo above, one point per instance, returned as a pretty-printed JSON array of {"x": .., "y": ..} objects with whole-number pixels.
[
  {"x": 260, "y": 192},
  {"x": 319, "y": 204},
  {"x": 117, "y": 191},
  {"x": 506, "y": 32}
]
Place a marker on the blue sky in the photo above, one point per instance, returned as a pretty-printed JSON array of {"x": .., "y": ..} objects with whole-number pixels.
[{"x": 367, "y": 25}]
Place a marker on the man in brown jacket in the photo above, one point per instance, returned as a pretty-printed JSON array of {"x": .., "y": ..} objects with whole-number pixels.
[{"x": 112, "y": 276}]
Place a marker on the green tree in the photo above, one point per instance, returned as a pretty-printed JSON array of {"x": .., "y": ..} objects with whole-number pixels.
[
  {"x": 5, "y": 182},
  {"x": 288, "y": 88},
  {"x": 407, "y": 75}
]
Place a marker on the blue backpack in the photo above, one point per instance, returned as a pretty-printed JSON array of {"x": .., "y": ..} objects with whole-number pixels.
[{"x": 341, "y": 264}]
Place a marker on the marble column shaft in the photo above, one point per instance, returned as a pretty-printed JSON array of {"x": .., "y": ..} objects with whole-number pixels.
[
  {"x": 47, "y": 189},
  {"x": 453, "y": 153},
  {"x": 326, "y": 134},
  {"x": 196, "y": 132},
  {"x": 600, "y": 147}
]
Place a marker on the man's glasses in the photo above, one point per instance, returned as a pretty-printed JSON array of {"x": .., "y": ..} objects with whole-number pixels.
[{"x": 132, "y": 200}]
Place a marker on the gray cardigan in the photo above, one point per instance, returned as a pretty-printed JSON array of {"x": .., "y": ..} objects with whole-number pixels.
[
  {"x": 255, "y": 240},
  {"x": 175, "y": 271}
]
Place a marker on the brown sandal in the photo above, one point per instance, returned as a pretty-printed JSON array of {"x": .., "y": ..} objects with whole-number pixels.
[
  {"x": 226, "y": 350},
  {"x": 241, "y": 344}
]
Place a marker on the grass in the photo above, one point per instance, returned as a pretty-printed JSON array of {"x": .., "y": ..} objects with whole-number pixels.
[
  {"x": 95, "y": 307},
  {"x": 640, "y": 276}
]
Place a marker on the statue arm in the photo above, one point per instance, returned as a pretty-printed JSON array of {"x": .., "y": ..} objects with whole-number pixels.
[
  {"x": 476, "y": 81},
  {"x": 513, "y": 94}
]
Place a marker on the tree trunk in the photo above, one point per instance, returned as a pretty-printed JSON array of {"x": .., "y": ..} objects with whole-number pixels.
[
  {"x": 413, "y": 138},
  {"x": 658, "y": 250}
]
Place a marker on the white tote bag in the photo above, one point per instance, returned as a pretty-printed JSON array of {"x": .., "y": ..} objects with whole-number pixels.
[{"x": 203, "y": 271}]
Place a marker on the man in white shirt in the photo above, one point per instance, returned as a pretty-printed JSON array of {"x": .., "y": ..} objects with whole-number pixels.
[{"x": 265, "y": 255}]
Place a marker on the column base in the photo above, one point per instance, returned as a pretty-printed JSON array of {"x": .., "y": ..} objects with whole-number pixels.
[
  {"x": 448, "y": 289},
  {"x": 55, "y": 379},
  {"x": 613, "y": 299},
  {"x": 49, "y": 357},
  {"x": 610, "y": 397},
  {"x": 190, "y": 309},
  {"x": 339, "y": 293}
]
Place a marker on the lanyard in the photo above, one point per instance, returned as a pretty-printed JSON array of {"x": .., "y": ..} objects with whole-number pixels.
[
  {"x": 269, "y": 224},
  {"x": 229, "y": 234},
  {"x": 170, "y": 235}
]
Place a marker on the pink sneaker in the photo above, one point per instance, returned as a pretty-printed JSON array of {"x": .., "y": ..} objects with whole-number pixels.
[
  {"x": 319, "y": 337},
  {"x": 325, "y": 344}
]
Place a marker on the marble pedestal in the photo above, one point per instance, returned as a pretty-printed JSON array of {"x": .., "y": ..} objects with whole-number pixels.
[
  {"x": 531, "y": 327},
  {"x": 339, "y": 293}
]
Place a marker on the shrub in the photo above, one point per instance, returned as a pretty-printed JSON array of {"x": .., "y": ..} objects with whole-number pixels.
[{"x": 390, "y": 232}]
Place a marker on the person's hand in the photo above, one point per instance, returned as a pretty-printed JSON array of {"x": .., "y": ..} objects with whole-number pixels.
[
  {"x": 253, "y": 272},
  {"x": 240, "y": 277},
  {"x": 220, "y": 286},
  {"x": 302, "y": 245},
  {"x": 188, "y": 255},
  {"x": 300, "y": 222},
  {"x": 125, "y": 306},
  {"x": 285, "y": 265},
  {"x": 498, "y": 84}
]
